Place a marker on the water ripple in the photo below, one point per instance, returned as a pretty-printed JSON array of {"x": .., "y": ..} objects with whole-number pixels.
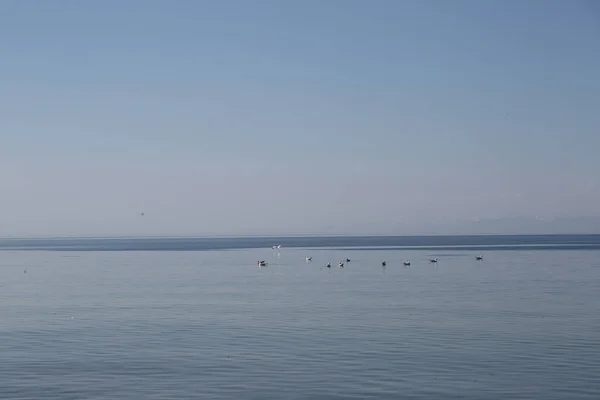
[{"x": 104, "y": 325}]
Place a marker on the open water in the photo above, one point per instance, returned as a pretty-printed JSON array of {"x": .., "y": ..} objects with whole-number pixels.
[{"x": 197, "y": 318}]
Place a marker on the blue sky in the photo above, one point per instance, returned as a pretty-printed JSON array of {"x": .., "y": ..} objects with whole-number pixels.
[{"x": 313, "y": 116}]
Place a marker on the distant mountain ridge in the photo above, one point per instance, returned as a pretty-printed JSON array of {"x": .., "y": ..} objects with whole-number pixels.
[
  {"x": 483, "y": 226},
  {"x": 516, "y": 226}
]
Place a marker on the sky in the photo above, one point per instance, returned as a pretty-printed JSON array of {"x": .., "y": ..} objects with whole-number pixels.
[{"x": 290, "y": 117}]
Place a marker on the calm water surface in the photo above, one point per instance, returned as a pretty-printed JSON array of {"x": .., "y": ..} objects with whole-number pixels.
[{"x": 521, "y": 324}]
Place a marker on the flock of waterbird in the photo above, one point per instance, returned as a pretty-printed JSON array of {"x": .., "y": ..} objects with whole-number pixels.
[{"x": 262, "y": 263}]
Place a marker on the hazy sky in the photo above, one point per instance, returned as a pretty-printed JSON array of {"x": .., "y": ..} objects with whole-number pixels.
[{"x": 271, "y": 116}]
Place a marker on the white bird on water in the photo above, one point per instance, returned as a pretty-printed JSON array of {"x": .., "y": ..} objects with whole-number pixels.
[{"x": 308, "y": 259}]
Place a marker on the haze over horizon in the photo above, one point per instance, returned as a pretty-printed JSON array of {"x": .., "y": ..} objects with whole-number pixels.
[{"x": 353, "y": 117}]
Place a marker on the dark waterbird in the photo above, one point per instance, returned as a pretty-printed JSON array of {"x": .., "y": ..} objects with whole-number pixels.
[{"x": 383, "y": 263}]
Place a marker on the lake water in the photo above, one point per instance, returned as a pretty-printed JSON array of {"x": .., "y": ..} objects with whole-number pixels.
[{"x": 85, "y": 322}]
